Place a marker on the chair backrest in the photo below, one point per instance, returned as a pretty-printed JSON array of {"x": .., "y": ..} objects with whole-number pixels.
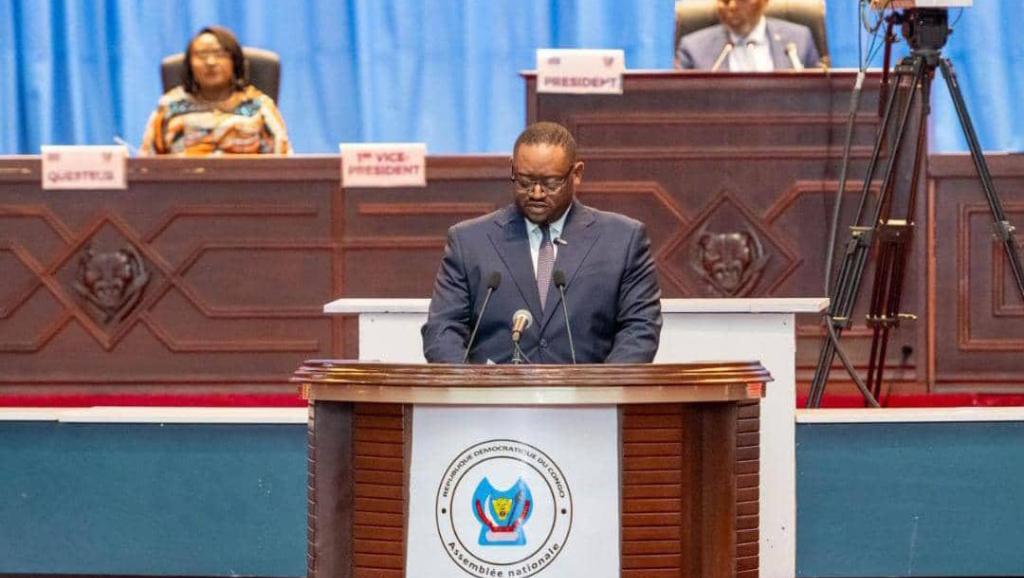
[
  {"x": 693, "y": 15},
  {"x": 262, "y": 68}
]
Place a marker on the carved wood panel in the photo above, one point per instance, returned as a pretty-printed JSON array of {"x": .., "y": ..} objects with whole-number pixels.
[
  {"x": 226, "y": 263},
  {"x": 208, "y": 276},
  {"x": 735, "y": 176},
  {"x": 178, "y": 281},
  {"x": 977, "y": 320},
  {"x": 394, "y": 238}
]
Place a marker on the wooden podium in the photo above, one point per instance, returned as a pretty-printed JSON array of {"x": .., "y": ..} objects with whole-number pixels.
[{"x": 689, "y": 494}]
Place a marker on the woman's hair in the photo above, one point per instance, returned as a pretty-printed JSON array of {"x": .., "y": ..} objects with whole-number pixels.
[{"x": 228, "y": 42}]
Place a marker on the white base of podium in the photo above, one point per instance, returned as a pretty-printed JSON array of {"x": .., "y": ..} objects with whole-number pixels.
[{"x": 695, "y": 330}]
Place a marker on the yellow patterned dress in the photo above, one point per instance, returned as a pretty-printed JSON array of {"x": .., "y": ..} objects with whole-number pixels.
[{"x": 246, "y": 123}]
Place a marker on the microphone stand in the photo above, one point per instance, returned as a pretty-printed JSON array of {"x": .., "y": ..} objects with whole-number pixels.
[
  {"x": 721, "y": 56},
  {"x": 518, "y": 357},
  {"x": 517, "y": 354},
  {"x": 492, "y": 283},
  {"x": 559, "y": 277}
]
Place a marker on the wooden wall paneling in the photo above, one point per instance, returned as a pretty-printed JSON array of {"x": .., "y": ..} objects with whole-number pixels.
[
  {"x": 381, "y": 459},
  {"x": 656, "y": 499},
  {"x": 238, "y": 255},
  {"x": 227, "y": 265},
  {"x": 748, "y": 164},
  {"x": 394, "y": 238},
  {"x": 978, "y": 319},
  {"x": 330, "y": 489},
  {"x": 670, "y": 455},
  {"x": 748, "y": 505},
  {"x": 692, "y": 478},
  {"x": 719, "y": 480}
]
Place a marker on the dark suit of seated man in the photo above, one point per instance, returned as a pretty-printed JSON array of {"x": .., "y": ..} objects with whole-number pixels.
[
  {"x": 610, "y": 281},
  {"x": 758, "y": 44}
]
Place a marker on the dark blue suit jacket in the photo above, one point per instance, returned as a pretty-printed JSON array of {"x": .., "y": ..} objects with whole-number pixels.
[
  {"x": 700, "y": 49},
  {"x": 612, "y": 292}
]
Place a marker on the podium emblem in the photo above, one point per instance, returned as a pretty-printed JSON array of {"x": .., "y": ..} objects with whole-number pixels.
[
  {"x": 502, "y": 514},
  {"x": 504, "y": 508}
]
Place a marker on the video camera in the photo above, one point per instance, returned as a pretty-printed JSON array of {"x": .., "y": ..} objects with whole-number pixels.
[{"x": 925, "y": 23}]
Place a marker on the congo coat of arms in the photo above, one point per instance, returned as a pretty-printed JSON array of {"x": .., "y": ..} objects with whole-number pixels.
[{"x": 502, "y": 514}]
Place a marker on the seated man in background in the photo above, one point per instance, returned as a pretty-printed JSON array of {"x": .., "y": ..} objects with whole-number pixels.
[
  {"x": 747, "y": 41},
  {"x": 520, "y": 255},
  {"x": 215, "y": 110}
]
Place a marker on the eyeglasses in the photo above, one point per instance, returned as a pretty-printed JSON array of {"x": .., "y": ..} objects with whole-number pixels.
[
  {"x": 204, "y": 54},
  {"x": 525, "y": 184}
]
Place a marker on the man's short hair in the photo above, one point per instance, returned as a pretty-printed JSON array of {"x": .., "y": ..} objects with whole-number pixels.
[{"x": 549, "y": 133}]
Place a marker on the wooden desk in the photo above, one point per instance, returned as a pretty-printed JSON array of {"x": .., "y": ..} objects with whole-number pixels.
[
  {"x": 239, "y": 256},
  {"x": 975, "y": 318},
  {"x": 748, "y": 160},
  {"x": 242, "y": 253}
]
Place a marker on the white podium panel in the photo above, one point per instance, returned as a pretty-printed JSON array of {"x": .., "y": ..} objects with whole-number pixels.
[
  {"x": 770, "y": 338},
  {"x": 514, "y": 491},
  {"x": 694, "y": 330}
]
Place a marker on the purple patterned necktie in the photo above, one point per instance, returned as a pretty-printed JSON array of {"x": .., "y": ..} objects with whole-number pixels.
[{"x": 545, "y": 263}]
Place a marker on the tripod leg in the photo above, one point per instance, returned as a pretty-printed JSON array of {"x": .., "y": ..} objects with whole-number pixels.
[
  {"x": 844, "y": 296},
  {"x": 883, "y": 204},
  {"x": 837, "y": 210},
  {"x": 894, "y": 241},
  {"x": 893, "y": 316},
  {"x": 877, "y": 312},
  {"x": 825, "y": 357},
  {"x": 880, "y": 138},
  {"x": 876, "y": 380},
  {"x": 885, "y": 314},
  {"x": 1004, "y": 230}
]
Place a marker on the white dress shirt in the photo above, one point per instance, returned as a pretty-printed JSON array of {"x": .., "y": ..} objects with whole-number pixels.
[
  {"x": 751, "y": 53},
  {"x": 536, "y": 236}
]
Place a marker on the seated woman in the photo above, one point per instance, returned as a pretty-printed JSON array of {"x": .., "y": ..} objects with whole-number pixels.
[{"x": 215, "y": 110}]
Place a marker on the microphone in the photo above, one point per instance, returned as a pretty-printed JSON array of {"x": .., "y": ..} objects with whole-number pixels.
[
  {"x": 793, "y": 58},
  {"x": 133, "y": 151},
  {"x": 558, "y": 277},
  {"x": 521, "y": 321},
  {"x": 721, "y": 56},
  {"x": 492, "y": 283},
  {"x": 560, "y": 241}
]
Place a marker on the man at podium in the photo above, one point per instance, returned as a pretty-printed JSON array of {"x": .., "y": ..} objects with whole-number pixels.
[{"x": 545, "y": 279}]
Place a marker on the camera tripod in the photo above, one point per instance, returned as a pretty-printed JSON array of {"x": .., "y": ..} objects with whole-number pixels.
[{"x": 890, "y": 228}]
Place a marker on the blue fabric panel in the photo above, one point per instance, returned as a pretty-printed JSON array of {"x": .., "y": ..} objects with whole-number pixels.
[
  {"x": 986, "y": 57},
  {"x": 440, "y": 71},
  {"x": 917, "y": 499},
  {"x": 208, "y": 500},
  {"x": 872, "y": 499}
]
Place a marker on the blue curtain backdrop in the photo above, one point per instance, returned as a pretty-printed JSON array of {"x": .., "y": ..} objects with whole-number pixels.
[{"x": 440, "y": 71}]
